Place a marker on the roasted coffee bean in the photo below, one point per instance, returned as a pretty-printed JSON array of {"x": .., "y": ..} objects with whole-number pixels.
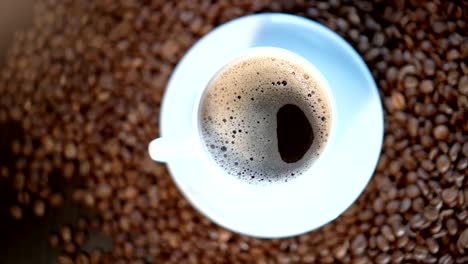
[{"x": 66, "y": 234}]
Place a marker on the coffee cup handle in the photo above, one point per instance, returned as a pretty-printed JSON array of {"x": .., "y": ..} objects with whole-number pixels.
[{"x": 165, "y": 149}]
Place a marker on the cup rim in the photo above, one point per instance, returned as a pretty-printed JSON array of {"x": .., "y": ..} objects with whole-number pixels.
[{"x": 253, "y": 52}]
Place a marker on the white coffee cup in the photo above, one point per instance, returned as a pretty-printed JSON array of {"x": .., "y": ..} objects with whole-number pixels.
[
  {"x": 165, "y": 149},
  {"x": 304, "y": 203}
]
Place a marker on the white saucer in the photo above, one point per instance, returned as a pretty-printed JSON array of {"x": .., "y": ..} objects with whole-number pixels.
[{"x": 358, "y": 139}]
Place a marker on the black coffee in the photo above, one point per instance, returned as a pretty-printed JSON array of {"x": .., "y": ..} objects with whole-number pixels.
[
  {"x": 264, "y": 118},
  {"x": 294, "y": 133}
]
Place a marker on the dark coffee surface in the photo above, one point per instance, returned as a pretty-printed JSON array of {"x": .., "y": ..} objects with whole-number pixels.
[
  {"x": 239, "y": 118},
  {"x": 294, "y": 133}
]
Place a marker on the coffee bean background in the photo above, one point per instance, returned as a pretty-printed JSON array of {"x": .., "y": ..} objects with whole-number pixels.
[{"x": 80, "y": 95}]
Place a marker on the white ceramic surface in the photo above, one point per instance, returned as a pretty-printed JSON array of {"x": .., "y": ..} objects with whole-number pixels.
[{"x": 309, "y": 201}]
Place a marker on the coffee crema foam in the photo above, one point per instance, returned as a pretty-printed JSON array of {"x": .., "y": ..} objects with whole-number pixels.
[{"x": 239, "y": 111}]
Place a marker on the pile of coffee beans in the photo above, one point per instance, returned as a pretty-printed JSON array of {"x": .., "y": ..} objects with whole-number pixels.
[{"x": 81, "y": 90}]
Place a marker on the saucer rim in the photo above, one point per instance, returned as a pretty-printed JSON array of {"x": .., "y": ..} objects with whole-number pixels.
[{"x": 371, "y": 86}]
